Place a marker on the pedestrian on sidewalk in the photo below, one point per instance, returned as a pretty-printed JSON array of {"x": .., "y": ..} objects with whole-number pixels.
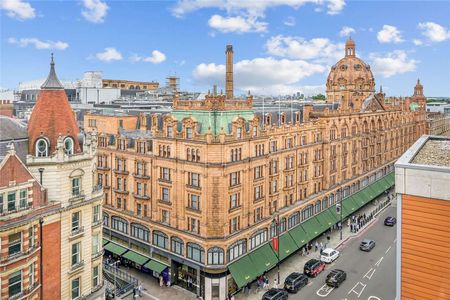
[
  {"x": 140, "y": 289},
  {"x": 348, "y": 222},
  {"x": 161, "y": 281},
  {"x": 275, "y": 283},
  {"x": 316, "y": 246},
  {"x": 321, "y": 245},
  {"x": 134, "y": 292}
]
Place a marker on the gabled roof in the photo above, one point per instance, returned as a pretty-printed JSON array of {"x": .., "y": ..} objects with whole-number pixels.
[{"x": 13, "y": 169}]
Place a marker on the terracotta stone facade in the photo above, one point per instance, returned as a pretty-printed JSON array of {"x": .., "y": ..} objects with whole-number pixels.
[{"x": 130, "y": 85}]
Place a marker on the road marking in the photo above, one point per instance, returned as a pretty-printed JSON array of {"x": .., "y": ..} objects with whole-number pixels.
[
  {"x": 325, "y": 289},
  {"x": 388, "y": 250},
  {"x": 379, "y": 262},
  {"x": 151, "y": 296},
  {"x": 373, "y": 298},
  {"x": 371, "y": 271},
  {"x": 360, "y": 292}
]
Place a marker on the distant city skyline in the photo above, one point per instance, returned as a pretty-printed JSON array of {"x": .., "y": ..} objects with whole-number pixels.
[{"x": 280, "y": 47}]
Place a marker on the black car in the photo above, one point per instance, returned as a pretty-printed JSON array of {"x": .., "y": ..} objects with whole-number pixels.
[
  {"x": 295, "y": 281},
  {"x": 335, "y": 278},
  {"x": 313, "y": 267},
  {"x": 390, "y": 221},
  {"x": 275, "y": 294},
  {"x": 367, "y": 245}
]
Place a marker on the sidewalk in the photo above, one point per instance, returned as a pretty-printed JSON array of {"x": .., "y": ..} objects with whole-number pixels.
[{"x": 295, "y": 262}]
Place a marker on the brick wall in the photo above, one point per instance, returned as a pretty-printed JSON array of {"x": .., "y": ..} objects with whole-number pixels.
[{"x": 52, "y": 260}]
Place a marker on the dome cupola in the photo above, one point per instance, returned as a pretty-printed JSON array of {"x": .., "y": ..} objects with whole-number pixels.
[{"x": 52, "y": 118}]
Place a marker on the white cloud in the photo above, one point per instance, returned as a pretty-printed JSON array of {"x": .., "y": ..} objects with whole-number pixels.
[
  {"x": 320, "y": 49},
  {"x": 290, "y": 21},
  {"x": 346, "y": 31},
  {"x": 110, "y": 54},
  {"x": 18, "y": 9},
  {"x": 157, "y": 57},
  {"x": 434, "y": 32},
  {"x": 393, "y": 63},
  {"x": 237, "y": 24},
  {"x": 417, "y": 42},
  {"x": 95, "y": 10},
  {"x": 335, "y": 6},
  {"x": 38, "y": 44},
  {"x": 258, "y": 74},
  {"x": 389, "y": 34}
]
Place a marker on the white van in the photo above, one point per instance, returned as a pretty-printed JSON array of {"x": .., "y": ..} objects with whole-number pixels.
[{"x": 329, "y": 255}]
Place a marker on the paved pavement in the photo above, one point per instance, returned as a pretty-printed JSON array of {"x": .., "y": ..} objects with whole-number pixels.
[{"x": 152, "y": 290}]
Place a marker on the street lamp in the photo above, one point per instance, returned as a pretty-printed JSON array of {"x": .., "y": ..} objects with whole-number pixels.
[
  {"x": 277, "y": 224},
  {"x": 339, "y": 209}
]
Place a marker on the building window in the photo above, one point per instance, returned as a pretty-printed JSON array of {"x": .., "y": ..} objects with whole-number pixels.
[
  {"x": 140, "y": 232},
  {"x": 15, "y": 283},
  {"x": 177, "y": 246},
  {"x": 189, "y": 133},
  {"x": 258, "y": 192},
  {"x": 169, "y": 131},
  {"x": 165, "y": 196},
  {"x": 258, "y": 172},
  {"x": 235, "y": 178},
  {"x": 165, "y": 216},
  {"x": 30, "y": 237},
  {"x": 95, "y": 244},
  {"x": 68, "y": 146},
  {"x": 215, "y": 256},
  {"x": 14, "y": 243},
  {"x": 257, "y": 214},
  {"x": 194, "y": 179},
  {"x": 31, "y": 275},
  {"x": 11, "y": 201},
  {"x": 194, "y": 201},
  {"x": 237, "y": 249},
  {"x": 138, "y": 209},
  {"x": 293, "y": 220},
  {"x": 239, "y": 133},
  {"x": 1, "y": 204},
  {"x": 76, "y": 189},
  {"x": 193, "y": 225},
  {"x": 23, "y": 198},
  {"x": 165, "y": 174},
  {"x": 106, "y": 219},
  {"x": 258, "y": 238},
  {"x": 75, "y": 221},
  {"x": 273, "y": 146},
  {"x": 95, "y": 279},
  {"x": 160, "y": 239},
  {"x": 42, "y": 148},
  {"x": 234, "y": 200},
  {"x": 255, "y": 131},
  {"x": 120, "y": 224},
  {"x": 235, "y": 224},
  {"x": 96, "y": 214},
  {"x": 195, "y": 252},
  {"x": 76, "y": 255},
  {"x": 76, "y": 288}
]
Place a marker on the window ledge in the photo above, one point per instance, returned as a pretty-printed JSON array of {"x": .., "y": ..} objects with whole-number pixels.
[{"x": 76, "y": 267}]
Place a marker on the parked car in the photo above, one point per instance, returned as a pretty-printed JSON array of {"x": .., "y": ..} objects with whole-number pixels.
[
  {"x": 329, "y": 255},
  {"x": 295, "y": 281},
  {"x": 367, "y": 245},
  {"x": 313, "y": 267},
  {"x": 275, "y": 294},
  {"x": 390, "y": 221},
  {"x": 335, "y": 278}
]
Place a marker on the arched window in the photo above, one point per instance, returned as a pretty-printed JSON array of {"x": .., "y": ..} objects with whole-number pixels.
[
  {"x": 140, "y": 232},
  {"x": 160, "y": 239},
  {"x": 68, "y": 145},
  {"x": 215, "y": 256},
  {"x": 307, "y": 212},
  {"x": 324, "y": 203},
  {"x": 294, "y": 219},
  {"x": 195, "y": 252},
  {"x": 318, "y": 207},
  {"x": 331, "y": 200},
  {"x": 258, "y": 238},
  {"x": 237, "y": 249},
  {"x": 177, "y": 245},
  {"x": 272, "y": 230},
  {"x": 42, "y": 147},
  {"x": 119, "y": 224},
  {"x": 282, "y": 225}
]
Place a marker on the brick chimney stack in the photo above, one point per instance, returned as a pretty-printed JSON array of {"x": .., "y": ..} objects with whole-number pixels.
[{"x": 229, "y": 72}]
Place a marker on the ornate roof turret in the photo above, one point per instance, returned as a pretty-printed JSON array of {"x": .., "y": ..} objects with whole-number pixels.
[{"x": 52, "y": 82}]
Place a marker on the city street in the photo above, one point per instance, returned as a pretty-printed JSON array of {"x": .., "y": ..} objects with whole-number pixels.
[{"x": 370, "y": 275}]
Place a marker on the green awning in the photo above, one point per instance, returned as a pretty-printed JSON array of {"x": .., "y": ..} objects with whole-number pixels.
[
  {"x": 376, "y": 188},
  {"x": 155, "y": 266},
  {"x": 350, "y": 206},
  {"x": 326, "y": 219},
  {"x": 263, "y": 258},
  {"x": 312, "y": 227},
  {"x": 105, "y": 241},
  {"x": 243, "y": 271},
  {"x": 368, "y": 194},
  {"x": 360, "y": 199},
  {"x": 114, "y": 248},
  {"x": 287, "y": 246},
  {"x": 136, "y": 257},
  {"x": 299, "y": 235}
]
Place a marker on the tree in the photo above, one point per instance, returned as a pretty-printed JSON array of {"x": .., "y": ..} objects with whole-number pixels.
[{"x": 319, "y": 97}]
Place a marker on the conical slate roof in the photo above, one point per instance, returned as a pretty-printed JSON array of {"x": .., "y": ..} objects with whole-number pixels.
[{"x": 52, "y": 82}]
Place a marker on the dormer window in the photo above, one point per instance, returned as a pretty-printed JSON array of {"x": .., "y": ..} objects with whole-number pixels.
[
  {"x": 255, "y": 131},
  {"x": 42, "y": 148},
  {"x": 68, "y": 146},
  {"x": 189, "y": 133},
  {"x": 239, "y": 133},
  {"x": 169, "y": 131}
]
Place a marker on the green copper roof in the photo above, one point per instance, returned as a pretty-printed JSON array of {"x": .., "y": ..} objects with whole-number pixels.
[{"x": 215, "y": 119}]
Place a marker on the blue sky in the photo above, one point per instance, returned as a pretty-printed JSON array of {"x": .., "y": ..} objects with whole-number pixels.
[{"x": 280, "y": 46}]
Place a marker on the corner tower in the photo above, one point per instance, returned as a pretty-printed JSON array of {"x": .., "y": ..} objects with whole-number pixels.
[{"x": 229, "y": 72}]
